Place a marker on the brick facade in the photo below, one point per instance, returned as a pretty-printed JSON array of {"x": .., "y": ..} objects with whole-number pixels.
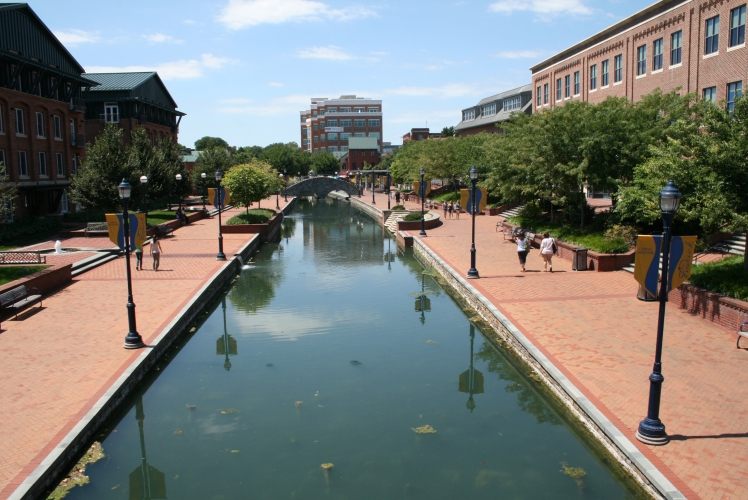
[
  {"x": 657, "y": 29},
  {"x": 328, "y": 123}
]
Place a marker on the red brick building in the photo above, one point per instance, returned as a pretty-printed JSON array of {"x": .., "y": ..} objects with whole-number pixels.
[
  {"x": 693, "y": 46},
  {"x": 329, "y": 123},
  {"x": 420, "y": 134}
]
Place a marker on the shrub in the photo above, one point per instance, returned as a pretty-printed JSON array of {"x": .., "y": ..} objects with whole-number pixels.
[
  {"x": 398, "y": 207},
  {"x": 414, "y": 216},
  {"x": 254, "y": 216},
  {"x": 624, "y": 232},
  {"x": 727, "y": 277},
  {"x": 29, "y": 229}
]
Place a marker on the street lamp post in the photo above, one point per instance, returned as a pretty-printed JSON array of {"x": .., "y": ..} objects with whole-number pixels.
[
  {"x": 373, "y": 202},
  {"x": 473, "y": 272},
  {"x": 219, "y": 176},
  {"x": 388, "y": 190},
  {"x": 422, "y": 194},
  {"x": 133, "y": 340},
  {"x": 144, "y": 185},
  {"x": 285, "y": 185},
  {"x": 277, "y": 193},
  {"x": 178, "y": 177},
  {"x": 651, "y": 429},
  {"x": 204, "y": 176}
]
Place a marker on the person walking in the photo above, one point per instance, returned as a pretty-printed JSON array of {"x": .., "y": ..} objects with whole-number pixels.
[
  {"x": 547, "y": 249},
  {"x": 457, "y": 209},
  {"x": 450, "y": 209},
  {"x": 523, "y": 248},
  {"x": 445, "y": 206},
  {"x": 138, "y": 258},
  {"x": 156, "y": 252}
]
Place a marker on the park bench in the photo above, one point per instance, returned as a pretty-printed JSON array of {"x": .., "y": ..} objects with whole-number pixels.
[
  {"x": 17, "y": 299},
  {"x": 96, "y": 229},
  {"x": 19, "y": 257},
  {"x": 742, "y": 331}
]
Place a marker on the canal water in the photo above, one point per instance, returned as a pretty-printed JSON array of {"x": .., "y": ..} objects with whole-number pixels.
[{"x": 336, "y": 368}]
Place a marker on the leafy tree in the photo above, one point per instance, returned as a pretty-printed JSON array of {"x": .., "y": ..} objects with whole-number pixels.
[
  {"x": 324, "y": 163},
  {"x": 210, "y": 160},
  {"x": 286, "y": 158},
  {"x": 251, "y": 182},
  {"x": 209, "y": 142},
  {"x": 448, "y": 132},
  {"x": 7, "y": 194}
]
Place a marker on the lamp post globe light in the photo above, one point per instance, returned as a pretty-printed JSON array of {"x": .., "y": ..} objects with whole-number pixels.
[
  {"x": 144, "y": 185},
  {"x": 178, "y": 177},
  {"x": 422, "y": 194},
  {"x": 651, "y": 429},
  {"x": 219, "y": 202},
  {"x": 203, "y": 176},
  {"x": 133, "y": 340},
  {"x": 473, "y": 272}
]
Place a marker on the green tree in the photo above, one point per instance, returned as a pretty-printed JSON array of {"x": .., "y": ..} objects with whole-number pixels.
[
  {"x": 7, "y": 194},
  {"x": 324, "y": 163},
  {"x": 286, "y": 158},
  {"x": 208, "y": 161},
  {"x": 209, "y": 142},
  {"x": 448, "y": 132},
  {"x": 251, "y": 182}
]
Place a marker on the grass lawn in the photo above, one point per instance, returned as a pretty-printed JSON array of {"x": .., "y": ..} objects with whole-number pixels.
[
  {"x": 253, "y": 216},
  {"x": 10, "y": 273},
  {"x": 726, "y": 277},
  {"x": 157, "y": 217}
]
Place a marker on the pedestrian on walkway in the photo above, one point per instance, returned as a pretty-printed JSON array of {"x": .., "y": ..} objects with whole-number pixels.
[
  {"x": 547, "y": 249},
  {"x": 138, "y": 258},
  {"x": 450, "y": 209},
  {"x": 457, "y": 209},
  {"x": 156, "y": 252},
  {"x": 523, "y": 249},
  {"x": 397, "y": 197},
  {"x": 444, "y": 205}
]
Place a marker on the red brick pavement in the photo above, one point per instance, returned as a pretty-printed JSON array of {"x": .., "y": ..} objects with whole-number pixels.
[
  {"x": 594, "y": 329},
  {"x": 58, "y": 361}
]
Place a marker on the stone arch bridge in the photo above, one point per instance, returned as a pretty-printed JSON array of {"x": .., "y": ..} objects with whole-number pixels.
[{"x": 320, "y": 187}]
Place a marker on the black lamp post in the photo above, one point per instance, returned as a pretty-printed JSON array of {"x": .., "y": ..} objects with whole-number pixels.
[
  {"x": 285, "y": 185},
  {"x": 277, "y": 193},
  {"x": 473, "y": 272},
  {"x": 422, "y": 194},
  {"x": 219, "y": 195},
  {"x": 389, "y": 185},
  {"x": 203, "y": 176},
  {"x": 133, "y": 340},
  {"x": 372, "y": 189},
  {"x": 651, "y": 429},
  {"x": 144, "y": 185},
  {"x": 178, "y": 177}
]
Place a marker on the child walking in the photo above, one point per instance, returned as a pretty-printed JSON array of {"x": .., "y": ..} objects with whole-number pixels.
[{"x": 155, "y": 252}]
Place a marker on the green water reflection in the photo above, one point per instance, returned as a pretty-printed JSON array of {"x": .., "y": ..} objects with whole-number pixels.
[{"x": 318, "y": 355}]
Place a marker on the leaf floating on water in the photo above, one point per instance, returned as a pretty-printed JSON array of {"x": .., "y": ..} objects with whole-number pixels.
[
  {"x": 429, "y": 341},
  {"x": 424, "y": 429},
  {"x": 576, "y": 473},
  {"x": 228, "y": 411},
  {"x": 234, "y": 451},
  {"x": 190, "y": 406}
]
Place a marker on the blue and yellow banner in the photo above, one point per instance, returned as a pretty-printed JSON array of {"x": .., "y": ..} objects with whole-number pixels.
[
  {"x": 422, "y": 190},
  {"x": 213, "y": 200},
  {"x": 681, "y": 257},
  {"x": 117, "y": 230},
  {"x": 480, "y": 193},
  {"x": 647, "y": 261}
]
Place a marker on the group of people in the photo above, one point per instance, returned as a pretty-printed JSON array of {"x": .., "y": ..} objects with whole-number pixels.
[
  {"x": 452, "y": 209},
  {"x": 155, "y": 254},
  {"x": 547, "y": 249}
]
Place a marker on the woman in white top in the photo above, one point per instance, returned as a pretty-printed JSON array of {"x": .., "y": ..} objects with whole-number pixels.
[
  {"x": 546, "y": 251},
  {"x": 522, "y": 249}
]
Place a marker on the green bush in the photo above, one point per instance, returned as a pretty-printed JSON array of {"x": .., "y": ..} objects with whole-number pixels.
[
  {"x": 623, "y": 232},
  {"x": 727, "y": 277},
  {"x": 12, "y": 273},
  {"x": 398, "y": 207},
  {"x": 450, "y": 196},
  {"x": 414, "y": 216},
  {"x": 254, "y": 216},
  {"x": 30, "y": 229}
]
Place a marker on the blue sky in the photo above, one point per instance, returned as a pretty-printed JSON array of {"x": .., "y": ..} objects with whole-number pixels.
[{"x": 244, "y": 69}]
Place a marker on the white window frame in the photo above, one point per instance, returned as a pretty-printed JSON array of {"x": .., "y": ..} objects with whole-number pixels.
[
  {"x": 60, "y": 164},
  {"x": 20, "y": 125},
  {"x": 111, "y": 112},
  {"x": 641, "y": 61},
  {"x": 714, "y": 36},
  {"x": 40, "y": 132},
  {"x": 23, "y": 165},
  {"x": 733, "y": 28},
  {"x": 617, "y": 79},
  {"x": 57, "y": 127},
  {"x": 711, "y": 90},
  {"x": 678, "y": 49},
  {"x": 42, "y": 161},
  {"x": 658, "y": 56},
  {"x": 593, "y": 77}
]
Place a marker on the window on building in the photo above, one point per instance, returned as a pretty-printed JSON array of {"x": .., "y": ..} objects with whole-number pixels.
[
  {"x": 373, "y": 122},
  {"x": 359, "y": 123},
  {"x": 737, "y": 26},
  {"x": 567, "y": 85},
  {"x": 374, "y": 135},
  {"x": 111, "y": 112},
  {"x": 23, "y": 166},
  {"x": 676, "y": 40},
  {"x": 2, "y": 160},
  {"x": 57, "y": 126},
  {"x": 641, "y": 60},
  {"x": 331, "y": 122},
  {"x": 358, "y": 110},
  {"x": 60, "y": 165},
  {"x": 577, "y": 83},
  {"x": 332, "y": 136},
  {"x": 489, "y": 109},
  {"x": 346, "y": 123},
  {"x": 618, "y": 68},
  {"x": 657, "y": 54},
  {"x": 604, "y": 73},
  {"x": 75, "y": 164},
  {"x": 511, "y": 103},
  {"x": 345, "y": 109},
  {"x": 545, "y": 93},
  {"x": 72, "y": 133},
  {"x": 40, "y": 124},
  {"x": 593, "y": 77},
  {"x": 734, "y": 91},
  {"x": 344, "y": 136},
  {"x": 43, "y": 164},
  {"x": 468, "y": 114},
  {"x": 558, "y": 89},
  {"x": 711, "y": 40},
  {"x": 20, "y": 126},
  {"x": 710, "y": 94},
  {"x": 373, "y": 110},
  {"x": 538, "y": 96}
]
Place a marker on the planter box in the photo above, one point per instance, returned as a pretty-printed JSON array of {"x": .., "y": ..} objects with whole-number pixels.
[
  {"x": 48, "y": 280},
  {"x": 416, "y": 225},
  {"x": 262, "y": 229}
]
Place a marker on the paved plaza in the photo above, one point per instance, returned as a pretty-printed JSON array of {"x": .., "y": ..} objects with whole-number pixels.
[{"x": 58, "y": 362}]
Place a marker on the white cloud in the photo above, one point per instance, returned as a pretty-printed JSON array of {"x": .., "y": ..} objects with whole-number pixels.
[
  {"x": 543, "y": 7},
  {"x": 77, "y": 37},
  {"x": 174, "y": 70},
  {"x": 238, "y": 14},
  {"x": 518, "y": 54},
  {"x": 161, "y": 38},
  {"x": 329, "y": 53}
]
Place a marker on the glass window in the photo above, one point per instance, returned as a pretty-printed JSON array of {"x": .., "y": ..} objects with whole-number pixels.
[
  {"x": 576, "y": 83},
  {"x": 373, "y": 110},
  {"x": 374, "y": 135},
  {"x": 710, "y": 94},
  {"x": 75, "y": 164},
  {"x": 593, "y": 77},
  {"x": 60, "y": 165},
  {"x": 657, "y": 54},
  {"x": 111, "y": 112},
  {"x": 676, "y": 40},
  {"x": 641, "y": 60},
  {"x": 345, "y": 109},
  {"x": 20, "y": 128},
  {"x": 2, "y": 159},
  {"x": 604, "y": 73},
  {"x": 511, "y": 103},
  {"x": 72, "y": 132},
  {"x": 558, "y": 89},
  {"x": 468, "y": 114},
  {"x": 331, "y": 122},
  {"x": 40, "y": 124},
  {"x": 618, "y": 68},
  {"x": 489, "y": 109},
  {"x": 346, "y": 123},
  {"x": 359, "y": 123},
  {"x": 2, "y": 124},
  {"x": 545, "y": 93},
  {"x": 567, "y": 86},
  {"x": 57, "y": 125},
  {"x": 711, "y": 42},
  {"x": 737, "y": 26},
  {"x": 538, "y": 96},
  {"x": 373, "y": 123},
  {"x": 42, "y": 164},
  {"x": 23, "y": 166},
  {"x": 734, "y": 91},
  {"x": 332, "y": 136}
]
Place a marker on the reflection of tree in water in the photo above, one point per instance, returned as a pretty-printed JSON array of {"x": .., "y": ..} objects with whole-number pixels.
[
  {"x": 253, "y": 291},
  {"x": 288, "y": 227},
  {"x": 527, "y": 398}
]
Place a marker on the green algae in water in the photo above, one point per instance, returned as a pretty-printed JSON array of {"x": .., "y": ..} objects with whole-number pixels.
[
  {"x": 576, "y": 473},
  {"x": 77, "y": 476}
]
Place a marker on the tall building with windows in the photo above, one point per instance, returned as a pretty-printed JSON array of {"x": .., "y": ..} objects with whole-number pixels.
[
  {"x": 329, "y": 123},
  {"x": 491, "y": 111},
  {"x": 41, "y": 112},
  {"x": 691, "y": 46}
]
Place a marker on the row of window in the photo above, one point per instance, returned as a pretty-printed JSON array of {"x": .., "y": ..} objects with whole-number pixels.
[
  {"x": 509, "y": 104},
  {"x": 331, "y": 122},
  {"x": 346, "y": 109},
  {"x": 734, "y": 91},
  {"x": 41, "y": 163},
  {"x": 41, "y": 125}
]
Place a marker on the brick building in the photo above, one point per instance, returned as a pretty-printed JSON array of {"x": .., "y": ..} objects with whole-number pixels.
[
  {"x": 420, "y": 134},
  {"x": 491, "y": 111},
  {"x": 693, "y": 46},
  {"x": 328, "y": 123},
  {"x": 41, "y": 112}
]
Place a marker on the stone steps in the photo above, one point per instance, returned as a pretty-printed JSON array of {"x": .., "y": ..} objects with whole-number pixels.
[{"x": 391, "y": 222}]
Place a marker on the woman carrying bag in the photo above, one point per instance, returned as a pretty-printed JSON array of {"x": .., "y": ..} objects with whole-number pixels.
[{"x": 547, "y": 249}]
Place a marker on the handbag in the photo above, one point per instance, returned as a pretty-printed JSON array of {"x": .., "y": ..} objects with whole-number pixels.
[{"x": 554, "y": 247}]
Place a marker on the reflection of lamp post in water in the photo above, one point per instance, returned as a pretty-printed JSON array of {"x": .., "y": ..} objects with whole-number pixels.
[
  {"x": 146, "y": 481},
  {"x": 226, "y": 344},
  {"x": 389, "y": 256},
  {"x": 471, "y": 380},
  {"x": 423, "y": 303}
]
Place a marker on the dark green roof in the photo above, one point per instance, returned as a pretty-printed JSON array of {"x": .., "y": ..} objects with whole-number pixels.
[
  {"x": 119, "y": 81},
  {"x": 145, "y": 86}
]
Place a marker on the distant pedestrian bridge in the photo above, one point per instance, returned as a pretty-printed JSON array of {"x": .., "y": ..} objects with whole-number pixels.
[{"x": 320, "y": 187}]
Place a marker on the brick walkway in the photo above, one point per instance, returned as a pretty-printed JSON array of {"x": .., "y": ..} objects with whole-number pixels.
[
  {"x": 57, "y": 362},
  {"x": 599, "y": 335}
]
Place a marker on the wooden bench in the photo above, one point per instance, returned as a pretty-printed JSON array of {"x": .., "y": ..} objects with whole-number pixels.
[{"x": 17, "y": 299}]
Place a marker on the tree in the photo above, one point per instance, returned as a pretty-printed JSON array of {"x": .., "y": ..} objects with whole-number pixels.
[
  {"x": 7, "y": 194},
  {"x": 210, "y": 160},
  {"x": 209, "y": 142},
  {"x": 251, "y": 182},
  {"x": 286, "y": 158},
  {"x": 324, "y": 163},
  {"x": 448, "y": 132}
]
